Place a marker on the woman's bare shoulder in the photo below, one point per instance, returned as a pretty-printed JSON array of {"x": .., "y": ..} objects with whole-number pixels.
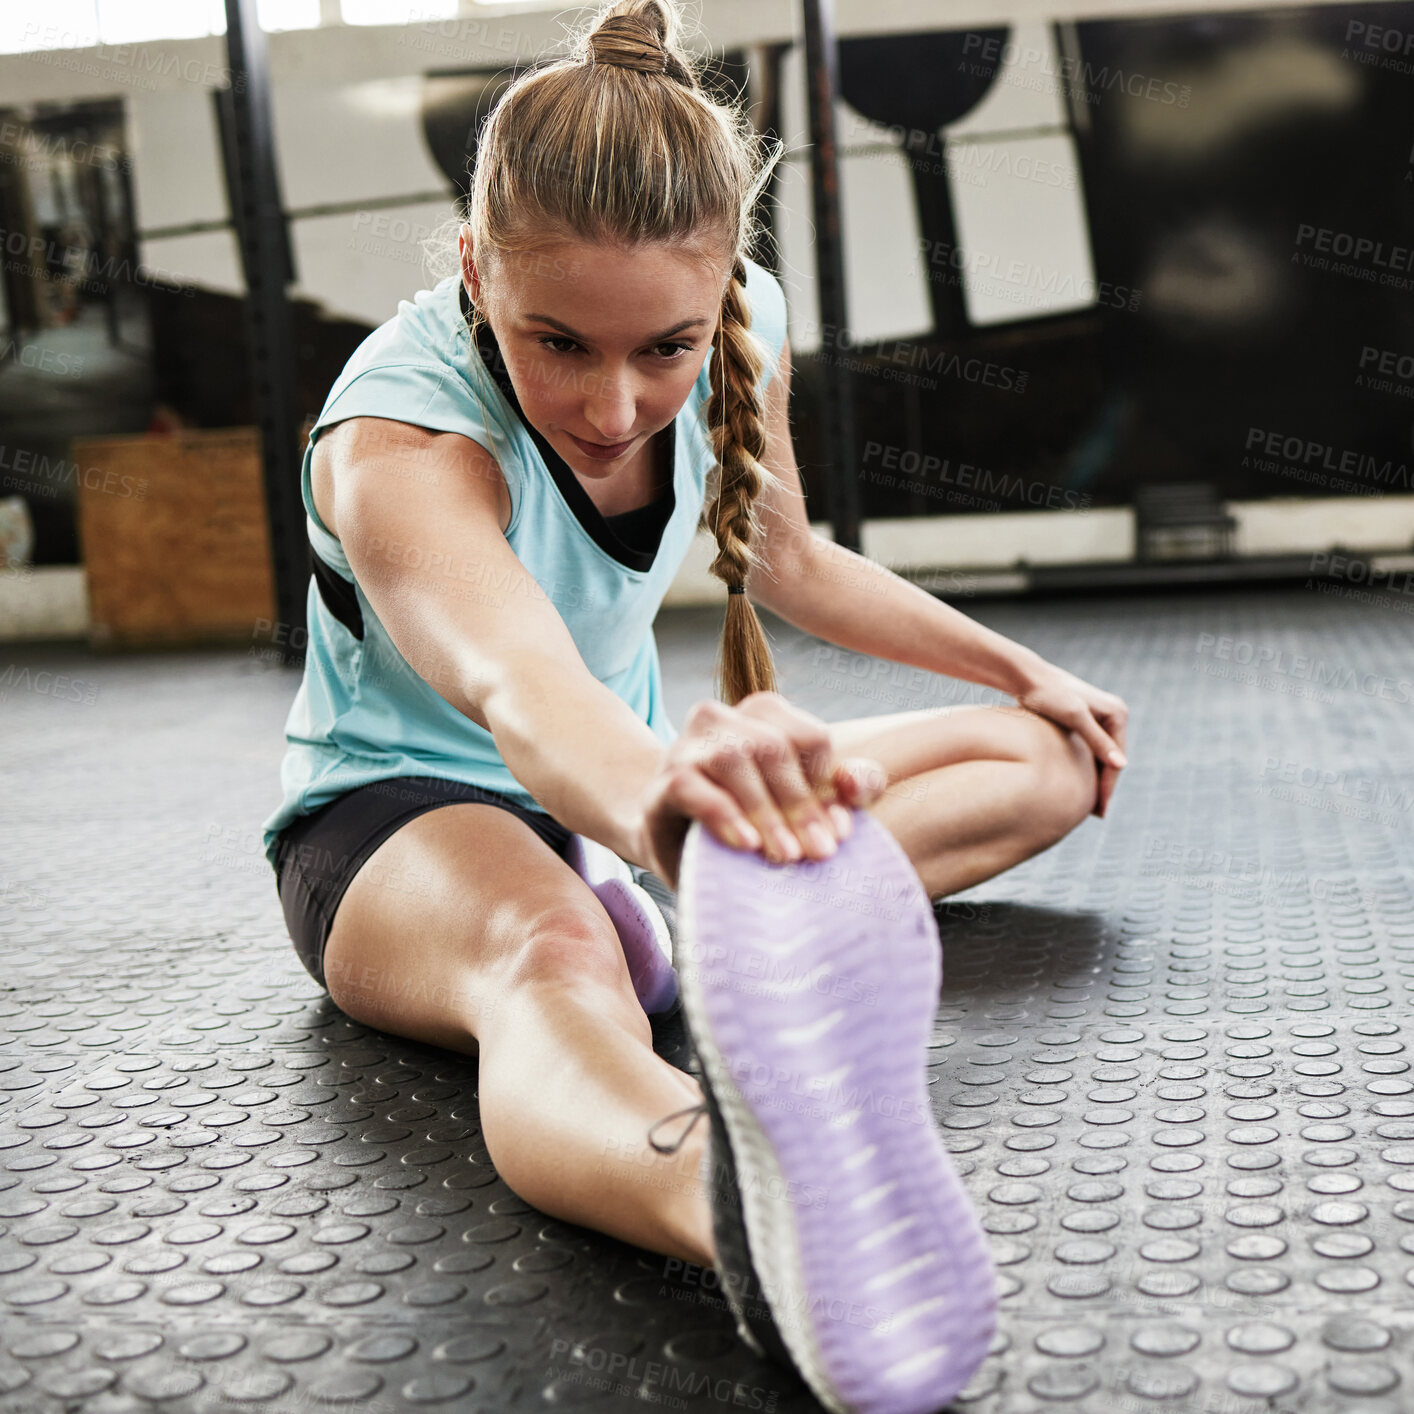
[{"x": 404, "y": 449}]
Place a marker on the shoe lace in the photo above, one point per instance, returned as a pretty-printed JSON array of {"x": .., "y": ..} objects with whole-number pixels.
[{"x": 696, "y": 1111}]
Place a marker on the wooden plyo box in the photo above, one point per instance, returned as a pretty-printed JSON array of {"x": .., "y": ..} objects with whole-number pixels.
[{"x": 173, "y": 533}]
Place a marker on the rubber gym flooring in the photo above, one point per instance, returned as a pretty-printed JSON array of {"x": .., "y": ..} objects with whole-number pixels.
[{"x": 1171, "y": 1058}]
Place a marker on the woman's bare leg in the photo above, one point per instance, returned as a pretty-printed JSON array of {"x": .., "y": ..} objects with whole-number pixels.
[
  {"x": 501, "y": 946},
  {"x": 973, "y": 790}
]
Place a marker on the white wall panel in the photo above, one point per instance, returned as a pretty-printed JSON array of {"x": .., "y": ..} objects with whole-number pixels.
[
  {"x": 1023, "y": 244},
  {"x": 795, "y": 238},
  {"x": 885, "y": 281},
  {"x": 352, "y": 141},
  {"x": 176, "y": 157},
  {"x": 360, "y": 264},
  {"x": 209, "y": 259}
]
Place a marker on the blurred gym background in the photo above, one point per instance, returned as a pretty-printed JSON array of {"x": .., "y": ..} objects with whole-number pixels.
[{"x": 1120, "y": 293}]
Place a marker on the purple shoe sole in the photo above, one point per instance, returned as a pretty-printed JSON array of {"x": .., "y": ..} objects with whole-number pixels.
[{"x": 810, "y": 992}]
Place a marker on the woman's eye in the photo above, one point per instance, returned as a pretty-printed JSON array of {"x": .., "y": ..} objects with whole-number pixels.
[{"x": 563, "y": 344}]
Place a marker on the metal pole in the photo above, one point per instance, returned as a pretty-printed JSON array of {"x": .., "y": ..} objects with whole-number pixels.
[
  {"x": 822, "y": 75},
  {"x": 265, "y": 257}
]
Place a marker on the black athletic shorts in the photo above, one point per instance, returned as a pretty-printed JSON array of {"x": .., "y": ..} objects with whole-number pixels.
[{"x": 318, "y": 855}]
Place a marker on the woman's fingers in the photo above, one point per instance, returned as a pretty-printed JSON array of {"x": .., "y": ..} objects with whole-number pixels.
[
  {"x": 807, "y": 734},
  {"x": 759, "y": 766},
  {"x": 760, "y": 776},
  {"x": 862, "y": 780},
  {"x": 1113, "y": 720},
  {"x": 686, "y": 795},
  {"x": 1109, "y": 777},
  {"x": 1116, "y": 722},
  {"x": 833, "y": 783},
  {"x": 779, "y": 763},
  {"x": 1106, "y": 749}
]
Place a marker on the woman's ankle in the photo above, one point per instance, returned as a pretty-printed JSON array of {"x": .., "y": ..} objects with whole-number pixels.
[{"x": 691, "y": 1213}]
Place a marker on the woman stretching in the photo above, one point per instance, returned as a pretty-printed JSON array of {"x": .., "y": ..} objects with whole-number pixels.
[{"x": 501, "y": 486}]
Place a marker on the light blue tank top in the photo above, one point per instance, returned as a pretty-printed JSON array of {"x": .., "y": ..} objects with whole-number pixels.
[{"x": 361, "y": 713}]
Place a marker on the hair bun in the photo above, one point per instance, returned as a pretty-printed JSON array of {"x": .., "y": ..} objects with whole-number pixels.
[{"x": 634, "y": 42}]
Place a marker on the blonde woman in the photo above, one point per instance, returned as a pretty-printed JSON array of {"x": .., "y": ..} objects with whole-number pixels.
[{"x": 481, "y": 774}]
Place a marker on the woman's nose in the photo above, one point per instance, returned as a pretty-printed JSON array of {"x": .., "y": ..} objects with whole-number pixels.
[{"x": 609, "y": 408}]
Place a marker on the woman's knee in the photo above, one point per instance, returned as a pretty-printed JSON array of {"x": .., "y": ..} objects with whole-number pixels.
[
  {"x": 568, "y": 942},
  {"x": 1067, "y": 778}
]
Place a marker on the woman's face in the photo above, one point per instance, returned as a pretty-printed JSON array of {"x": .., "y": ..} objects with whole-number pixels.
[{"x": 602, "y": 345}]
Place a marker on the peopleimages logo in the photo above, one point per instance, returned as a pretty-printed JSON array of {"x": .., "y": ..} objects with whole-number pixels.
[
  {"x": 42, "y": 360},
  {"x": 145, "y": 63},
  {"x": 889, "y": 465},
  {"x": 983, "y": 52},
  {"x": 1342, "y": 243},
  {"x": 660, "y": 1381},
  {"x": 1309, "y": 453},
  {"x": 1362, "y": 788},
  {"x": 1380, "y": 37},
  {"x": 30, "y": 470},
  {"x": 46, "y": 684},
  {"x": 1275, "y": 663},
  {"x": 943, "y": 259},
  {"x": 23, "y": 146},
  {"x": 1376, "y": 262}
]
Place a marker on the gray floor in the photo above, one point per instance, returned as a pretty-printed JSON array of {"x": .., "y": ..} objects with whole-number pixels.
[{"x": 1170, "y": 1058}]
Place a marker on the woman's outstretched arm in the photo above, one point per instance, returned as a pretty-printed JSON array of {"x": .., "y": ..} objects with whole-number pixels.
[
  {"x": 835, "y": 594},
  {"x": 429, "y": 554}
]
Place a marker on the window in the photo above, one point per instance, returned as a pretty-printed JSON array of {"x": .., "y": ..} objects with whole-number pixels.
[
  {"x": 29, "y": 25},
  {"x": 289, "y": 14},
  {"x": 396, "y": 12},
  {"x": 136, "y": 21},
  {"x": 1020, "y": 246},
  {"x": 47, "y": 24},
  {"x": 1017, "y": 197}
]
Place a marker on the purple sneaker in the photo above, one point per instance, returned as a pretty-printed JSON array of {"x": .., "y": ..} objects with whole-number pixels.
[
  {"x": 809, "y": 991},
  {"x": 647, "y": 944}
]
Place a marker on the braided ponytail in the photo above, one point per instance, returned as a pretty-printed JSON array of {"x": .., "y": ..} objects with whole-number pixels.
[
  {"x": 621, "y": 142},
  {"x": 744, "y": 661}
]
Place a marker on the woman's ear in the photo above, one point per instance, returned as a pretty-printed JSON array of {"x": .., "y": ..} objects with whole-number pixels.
[{"x": 470, "y": 278}]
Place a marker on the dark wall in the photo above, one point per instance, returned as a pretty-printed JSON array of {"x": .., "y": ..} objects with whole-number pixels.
[
  {"x": 201, "y": 366},
  {"x": 1218, "y": 154},
  {"x": 1228, "y": 215}
]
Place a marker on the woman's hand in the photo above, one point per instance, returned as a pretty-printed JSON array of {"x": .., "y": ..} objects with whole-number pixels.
[
  {"x": 760, "y": 776},
  {"x": 1098, "y": 716}
]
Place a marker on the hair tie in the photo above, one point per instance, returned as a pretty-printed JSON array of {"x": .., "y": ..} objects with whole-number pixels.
[
  {"x": 736, "y": 589},
  {"x": 631, "y": 42}
]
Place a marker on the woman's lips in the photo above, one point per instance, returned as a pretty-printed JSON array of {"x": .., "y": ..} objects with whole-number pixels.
[{"x": 599, "y": 451}]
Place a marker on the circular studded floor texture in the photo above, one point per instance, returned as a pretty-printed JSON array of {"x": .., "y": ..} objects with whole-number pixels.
[{"x": 1171, "y": 1059}]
